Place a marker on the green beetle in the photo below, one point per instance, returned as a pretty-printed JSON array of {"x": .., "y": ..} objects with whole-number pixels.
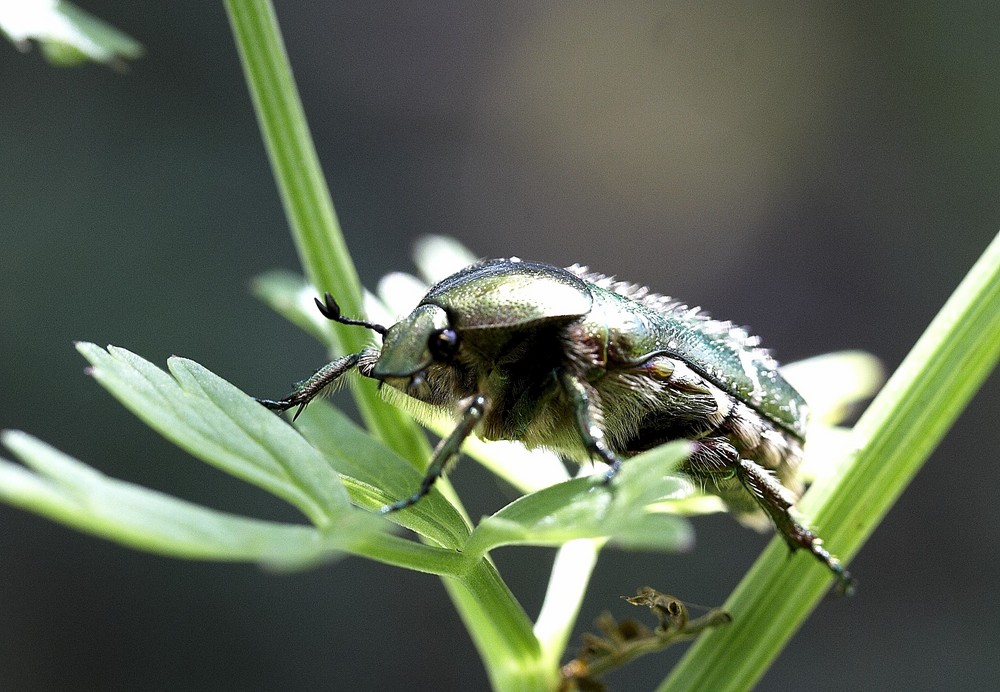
[{"x": 592, "y": 368}]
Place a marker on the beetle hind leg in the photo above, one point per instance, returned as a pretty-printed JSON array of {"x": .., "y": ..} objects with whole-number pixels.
[
  {"x": 715, "y": 460},
  {"x": 773, "y": 499}
]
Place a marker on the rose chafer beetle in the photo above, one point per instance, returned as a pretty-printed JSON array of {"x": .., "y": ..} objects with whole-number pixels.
[{"x": 592, "y": 368}]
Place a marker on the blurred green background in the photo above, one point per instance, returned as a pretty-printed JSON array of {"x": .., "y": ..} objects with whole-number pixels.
[{"x": 824, "y": 174}]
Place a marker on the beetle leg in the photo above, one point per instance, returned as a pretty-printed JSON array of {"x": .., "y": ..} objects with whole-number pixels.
[
  {"x": 717, "y": 457},
  {"x": 310, "y": 388},
  {"x": 772, "y": 497},
  {"x": 448, "y": 449},
  {"x": 589, "y": 422}
]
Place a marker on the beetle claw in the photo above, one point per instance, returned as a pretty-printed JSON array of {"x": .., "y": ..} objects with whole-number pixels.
[{"x": 329, "y": 307}]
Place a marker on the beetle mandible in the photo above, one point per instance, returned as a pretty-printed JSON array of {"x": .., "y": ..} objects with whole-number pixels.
[{"x": 592, "y": 368}]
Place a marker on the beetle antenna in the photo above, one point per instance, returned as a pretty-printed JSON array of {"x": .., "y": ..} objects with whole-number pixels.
[{"x": 331, "y": 311}]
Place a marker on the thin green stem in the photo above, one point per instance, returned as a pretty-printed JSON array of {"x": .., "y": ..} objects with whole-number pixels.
[
  {"x": 495, "y": 620},
  {"x": 400, "y": 552},
  {"x": 307, "y": 202},
  {"x": 895, "y": 436},
  {"x": 310, "y": 212}
]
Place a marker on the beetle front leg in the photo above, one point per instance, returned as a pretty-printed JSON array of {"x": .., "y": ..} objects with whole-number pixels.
[
  {"x": 448, "y": 449},
  {"x": 310, "y": 388},
  {"x": 589, "y": 422}
]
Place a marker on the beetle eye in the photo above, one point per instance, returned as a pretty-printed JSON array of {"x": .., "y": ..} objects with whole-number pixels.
[{"x": 443, "y": 344}]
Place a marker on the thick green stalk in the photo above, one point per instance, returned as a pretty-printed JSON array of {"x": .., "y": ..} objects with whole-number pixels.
[
  {"x": 499, "y": 627},
  {"x": 895, "y": 436},
  {"x": 502, "y": 634}
]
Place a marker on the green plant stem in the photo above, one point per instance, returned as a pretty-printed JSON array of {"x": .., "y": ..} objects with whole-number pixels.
[
  {"x": 498, "y": 625},
  {"x": 481, "y": 601},
  {"x": 308, "y": 206},
  {"x": 895, "y": 436},
  {"x": 401, "y": 552},
  {"x": 502, "y": 634},
  {"x": 307, "y": 202}
]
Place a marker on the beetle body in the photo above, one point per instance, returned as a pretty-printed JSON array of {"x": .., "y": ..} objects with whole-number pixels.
[{"x": 592, "y": 368}]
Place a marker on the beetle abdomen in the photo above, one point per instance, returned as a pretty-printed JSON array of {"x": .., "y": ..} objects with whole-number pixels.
[{"x": 722, "y": 353}]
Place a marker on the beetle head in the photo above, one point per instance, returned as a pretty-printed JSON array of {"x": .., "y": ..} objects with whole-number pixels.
[
  {"x": 419, "y": 357},
  {"x": 407, "y": 346}
]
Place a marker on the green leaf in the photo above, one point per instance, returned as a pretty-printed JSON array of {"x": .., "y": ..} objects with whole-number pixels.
[
  {"x": 70, "y": 492},
  {"x": 219, "y": 424},
  {"x": 377, "y": 476},
  {"x": 588, "y": 508},
  {"x": 66, "y": 34}
]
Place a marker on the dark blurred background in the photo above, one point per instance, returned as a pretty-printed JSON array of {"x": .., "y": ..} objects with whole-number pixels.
[{"x": 824, "y": 175}]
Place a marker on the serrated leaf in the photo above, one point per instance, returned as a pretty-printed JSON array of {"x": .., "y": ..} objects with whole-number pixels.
[
  {"x": 219, "y": 424},
  {"x": 64, "y": 489},
  {"x": 589, "y": 508}
]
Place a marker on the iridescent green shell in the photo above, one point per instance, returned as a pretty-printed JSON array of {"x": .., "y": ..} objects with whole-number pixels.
[{"x": 640, "y": 324}]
